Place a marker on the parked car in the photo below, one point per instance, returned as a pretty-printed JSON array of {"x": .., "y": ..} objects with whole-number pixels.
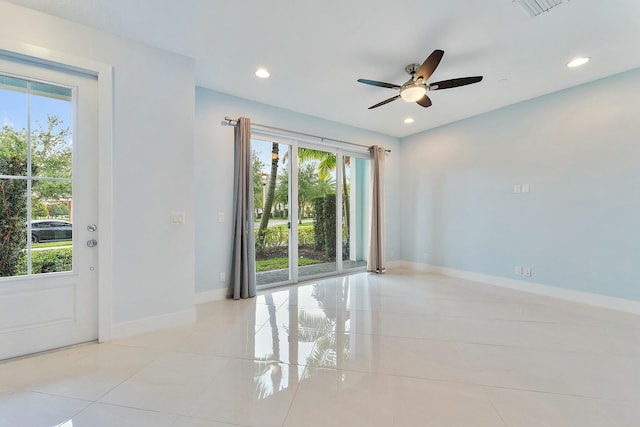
[{"x": 47, "y": 230}]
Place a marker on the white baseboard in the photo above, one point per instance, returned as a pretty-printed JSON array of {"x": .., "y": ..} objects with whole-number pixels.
[
  {"x": 604, "y": 301},
  {"x": 393, "y": 265},
  {"x": 209, "y": 296},
  {"x": 151, "y": 324}
]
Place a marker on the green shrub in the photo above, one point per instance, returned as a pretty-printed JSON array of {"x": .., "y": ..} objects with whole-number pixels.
[
  {"x": 58, "y": 210},
  {"x": 49, "y": 261},
  {"x": 305, "y": 235},
  {"x": 278, "y": 236},
  {"x": 325, "y": 225},
  {"x": 13, "y": 212}
]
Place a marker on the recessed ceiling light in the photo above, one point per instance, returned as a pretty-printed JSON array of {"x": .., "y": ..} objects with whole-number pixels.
[
  {"x": 408, "y": 120},
  {"x": 578, "y": 62},
  {"x": 262, "y": 73}
]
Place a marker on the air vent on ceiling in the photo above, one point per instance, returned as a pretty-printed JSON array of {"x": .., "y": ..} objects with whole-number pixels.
[{"x": 536, "y": 7}]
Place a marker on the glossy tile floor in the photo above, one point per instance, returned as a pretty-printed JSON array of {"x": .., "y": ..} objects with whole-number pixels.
[{"x": 403, "y": 349}]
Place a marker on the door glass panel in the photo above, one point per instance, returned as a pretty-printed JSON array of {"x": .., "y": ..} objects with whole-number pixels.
[
  {"x": 271, "y": 211},
  {"x": 13, "y": 119},
  {"x": 355, "y": 223},
  {"x": 316, "y": 214},
  {"x": 13, "y": 220},
  {"x": 51, "y": 137},
  {"x": 35, "y": 141}
]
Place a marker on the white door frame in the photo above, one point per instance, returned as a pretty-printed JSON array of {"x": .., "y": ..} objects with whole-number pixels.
[{"x": 104, "y": 73}]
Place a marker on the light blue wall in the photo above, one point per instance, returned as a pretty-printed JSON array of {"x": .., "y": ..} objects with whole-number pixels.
[
  {"x": 214, "y": 173},
  {"x": 578, "y": 228}
]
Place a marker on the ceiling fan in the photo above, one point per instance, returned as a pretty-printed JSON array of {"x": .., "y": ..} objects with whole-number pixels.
[{"x": 416, "y": 88}]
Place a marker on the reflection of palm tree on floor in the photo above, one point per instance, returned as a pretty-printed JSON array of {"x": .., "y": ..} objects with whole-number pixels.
[
  {"x": 326, "y": 328},
  {"x": 268, "y": 372}
]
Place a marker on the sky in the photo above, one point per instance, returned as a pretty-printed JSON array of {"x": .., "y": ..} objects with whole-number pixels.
[{"x": 13, "y": 109}]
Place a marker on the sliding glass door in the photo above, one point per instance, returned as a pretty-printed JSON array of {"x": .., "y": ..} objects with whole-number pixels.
[{"x": 310, "y": 210}]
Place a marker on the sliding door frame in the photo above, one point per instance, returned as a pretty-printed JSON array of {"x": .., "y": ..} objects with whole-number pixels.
[{"x": 340, "y": 152}]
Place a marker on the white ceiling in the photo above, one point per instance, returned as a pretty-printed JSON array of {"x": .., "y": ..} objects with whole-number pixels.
[{"x": 316, "y": 50}]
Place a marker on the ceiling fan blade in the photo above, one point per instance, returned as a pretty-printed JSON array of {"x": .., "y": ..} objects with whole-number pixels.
[
  {"x": 386, "y": 101},
  {"x": 429, "y": 65},
  {"x": 448, "y": 84},
  {"x": 424, "y": 101},
  {"x": 379, "y": 84}
]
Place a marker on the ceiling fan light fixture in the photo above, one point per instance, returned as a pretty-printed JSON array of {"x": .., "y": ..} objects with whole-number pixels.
[{"x": 413, "y": 92}]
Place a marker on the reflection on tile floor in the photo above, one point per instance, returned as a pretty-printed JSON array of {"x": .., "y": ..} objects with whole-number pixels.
[{"x": 402, "y": 349}]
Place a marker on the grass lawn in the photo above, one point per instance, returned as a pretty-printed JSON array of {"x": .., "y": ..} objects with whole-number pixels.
[
  {"x": 51, "y": 244},
  {"x": 280, "y": 263}
]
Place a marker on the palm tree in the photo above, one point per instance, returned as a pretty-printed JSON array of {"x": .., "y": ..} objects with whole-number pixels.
[
  {"x": 268, "y": 203},
  {"x": 327, "y": 164}
]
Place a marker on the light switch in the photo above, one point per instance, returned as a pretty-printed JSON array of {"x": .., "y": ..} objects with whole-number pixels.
[
  {"x": 525, "y": 188},
  {"x": 177, "y": 218},
  {"x": 517, "y": 188},
  {"x": 220, "y": 216}
]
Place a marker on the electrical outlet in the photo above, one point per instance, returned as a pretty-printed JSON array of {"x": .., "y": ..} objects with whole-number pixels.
[
  {"x": 220, "y": 216},
  {"x": 223, "y": 276},
  {"x": 425, "y": 256},
  {"x": 527, "y": 271},
  {"x": 518, "y": 271}
]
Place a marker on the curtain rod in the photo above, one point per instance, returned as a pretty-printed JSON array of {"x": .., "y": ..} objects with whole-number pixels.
[{"x": 230, "y": 121}]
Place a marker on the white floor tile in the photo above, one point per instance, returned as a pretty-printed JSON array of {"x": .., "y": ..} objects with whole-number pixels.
[
  {"x": 169, "y": 384},
  {"x": 32, "y": 409},
  {"x": 197, "y": 422},
  {"x": 531, "y": 409},
  {"x": 330, "y": 397},
  {"x": 255, "y": 393},
  {"x": 442, "y": 404},
  {"x": 101, "y": 415}
]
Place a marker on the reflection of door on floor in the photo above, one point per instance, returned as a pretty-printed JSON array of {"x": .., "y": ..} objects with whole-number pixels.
[{"x": 48, "y": 158}]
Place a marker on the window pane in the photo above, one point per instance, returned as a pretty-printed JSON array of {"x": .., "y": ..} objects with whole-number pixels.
[
  {"x": 355, "y": 224},
  {"x": 316, "y": 212},
  {"x": 13, "y": 227},
  {"x": 51, "y": 130},
  {"x": 271, "y": 210},
  {"x": 51, "y": 229},
  {"x": 13, "y": 116}
]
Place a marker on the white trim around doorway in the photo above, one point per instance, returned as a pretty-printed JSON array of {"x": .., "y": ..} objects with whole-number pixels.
[{"x": 104, "y": 73}]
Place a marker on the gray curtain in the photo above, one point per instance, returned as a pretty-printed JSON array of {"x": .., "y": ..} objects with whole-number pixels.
[
  {"x": 375, "y": 262},
  {"x": 243, "y": 272}
]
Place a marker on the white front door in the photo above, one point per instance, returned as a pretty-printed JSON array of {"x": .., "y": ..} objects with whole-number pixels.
[{"x": 48, "y": 208}]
